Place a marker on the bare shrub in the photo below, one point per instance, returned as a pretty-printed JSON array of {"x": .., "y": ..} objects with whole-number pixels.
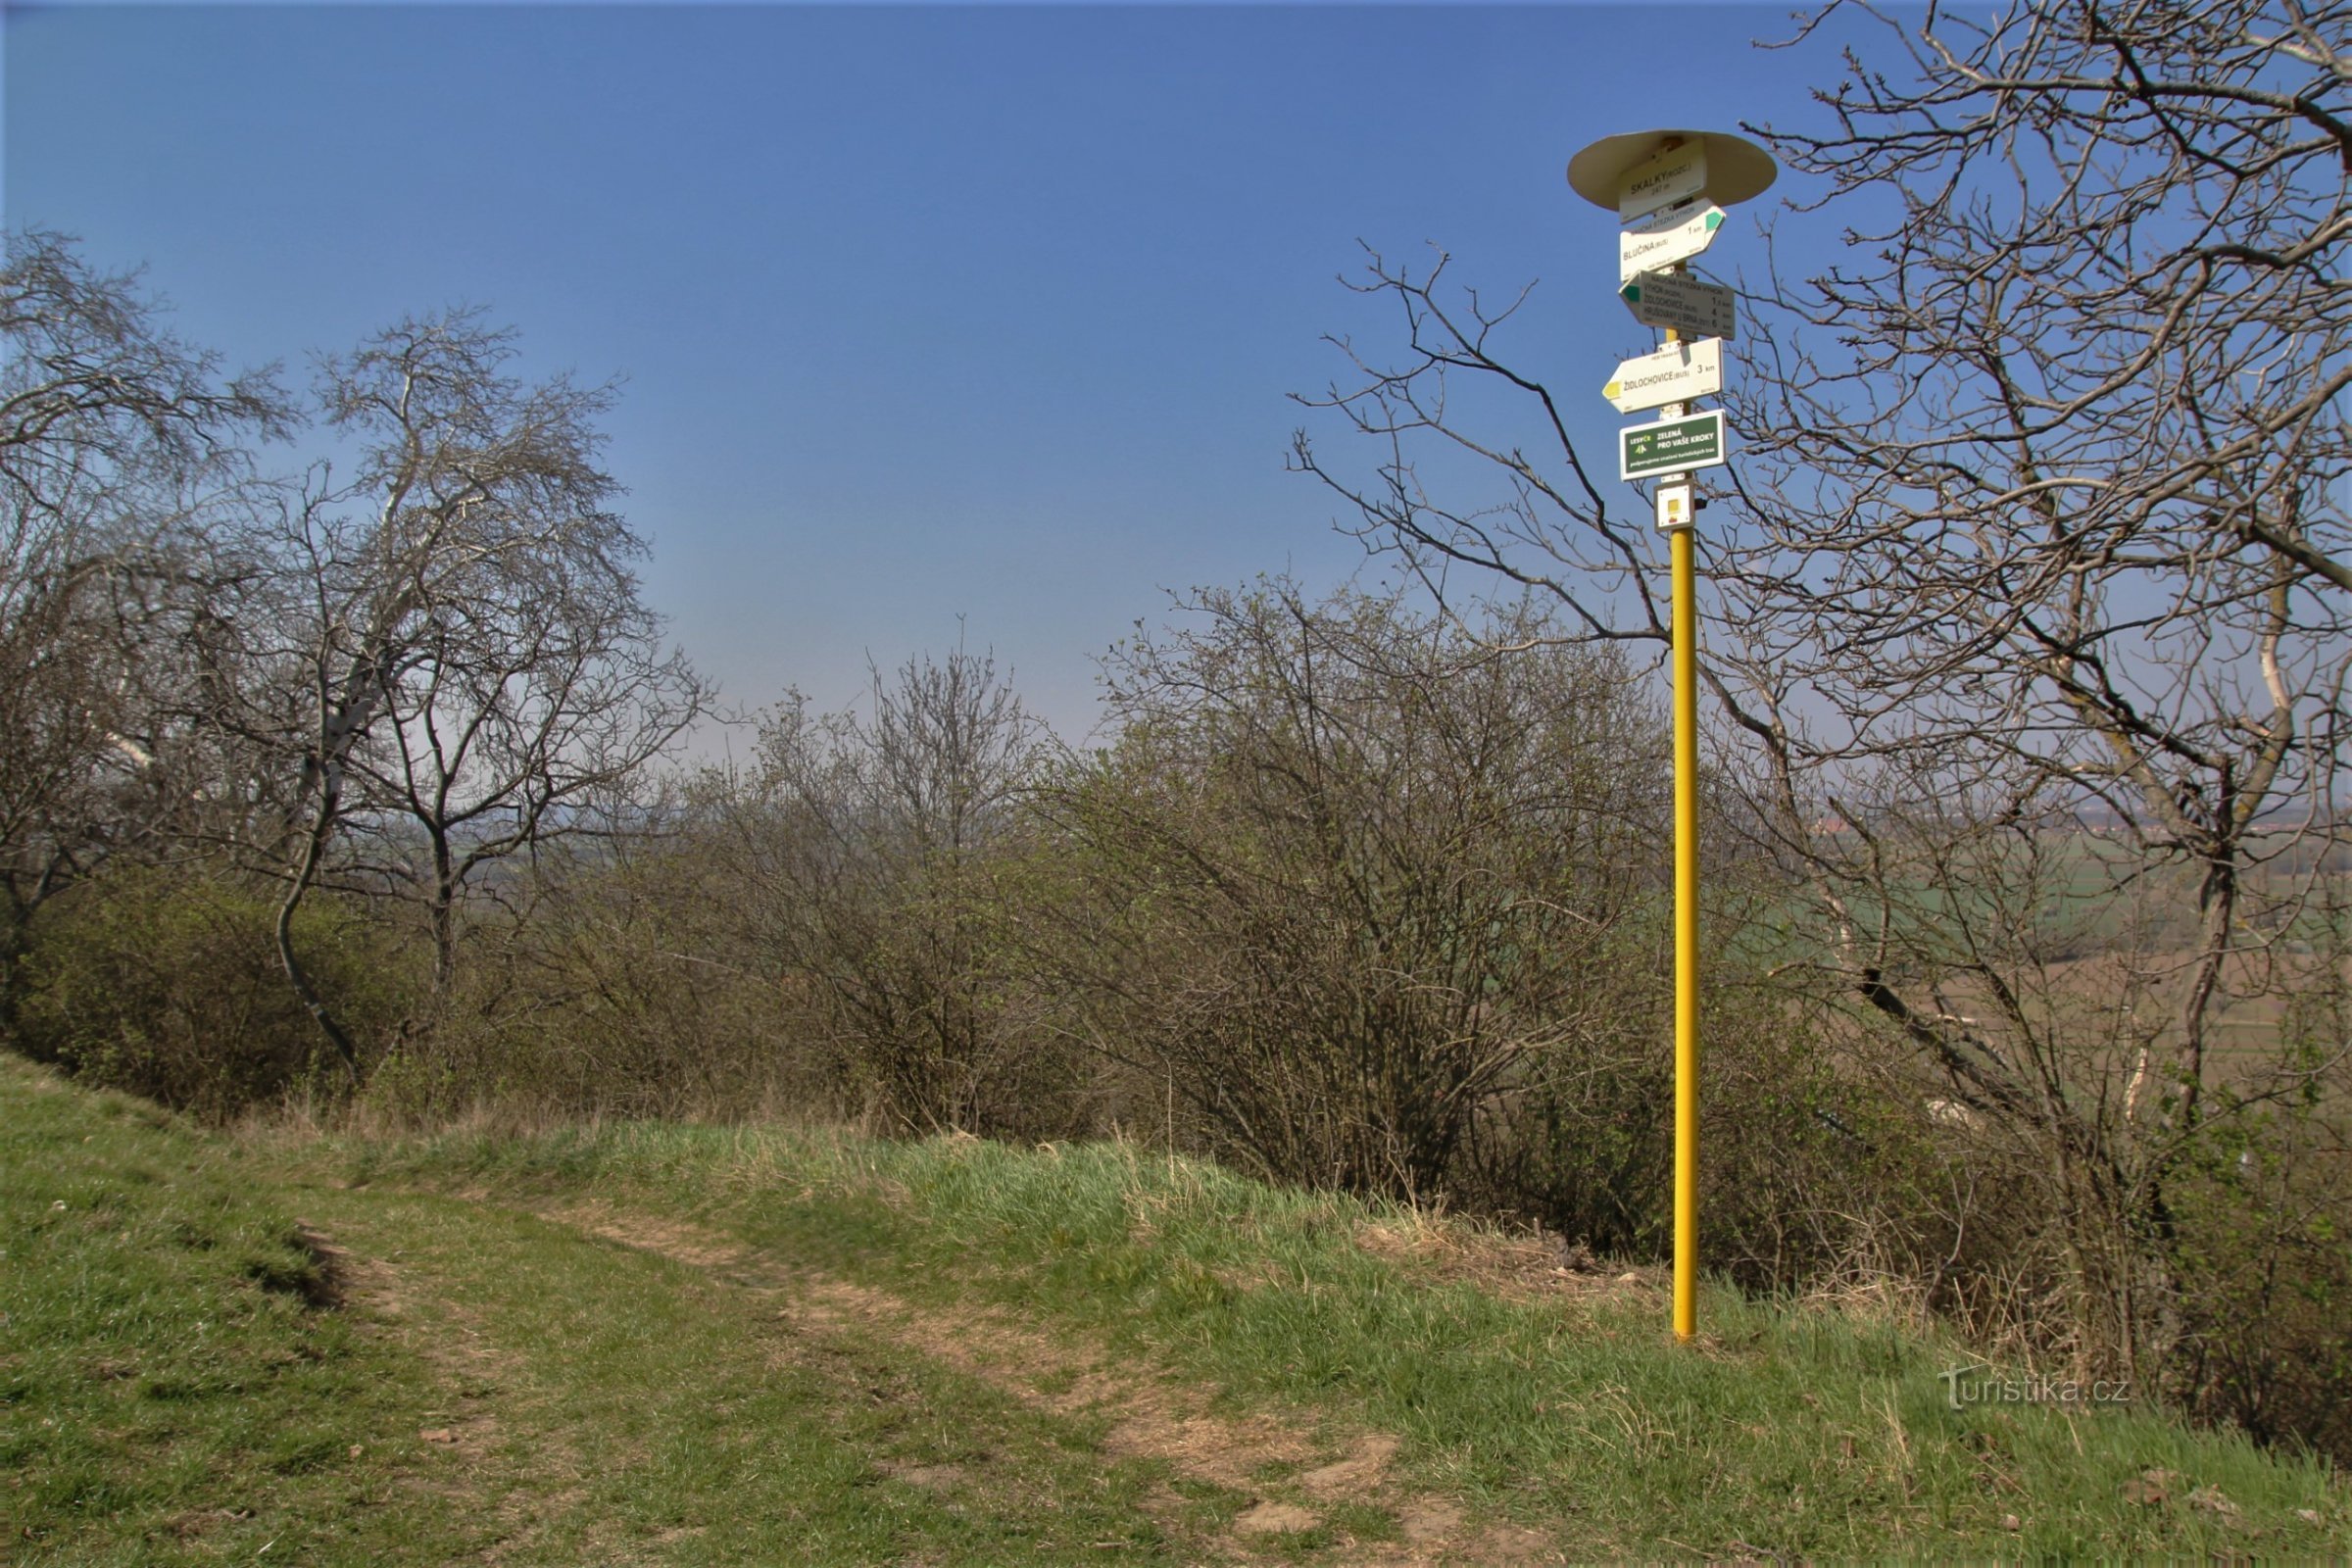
[
  {"x": 874, "y": 853},
  {"x": 1351, "y": 883}
]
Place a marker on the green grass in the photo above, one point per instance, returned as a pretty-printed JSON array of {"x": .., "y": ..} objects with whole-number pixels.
[
  {"x": 171, "y": 1388},
  {"x": 675, "y": 1345},
  {"x": 1793, "y": 1432},
  {"x": 622, "y": 1406},
  {"x": 169, "y": 1393}
]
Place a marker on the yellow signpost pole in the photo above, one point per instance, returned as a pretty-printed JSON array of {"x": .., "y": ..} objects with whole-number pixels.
[
  {"x": 1678, "y": 518},
  {"x": 1686, "y": 934},
  {"x": 1668, "y": 187}
]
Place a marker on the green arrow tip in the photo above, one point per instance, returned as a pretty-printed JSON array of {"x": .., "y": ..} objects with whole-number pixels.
[{"x": 1714, "y": 221}]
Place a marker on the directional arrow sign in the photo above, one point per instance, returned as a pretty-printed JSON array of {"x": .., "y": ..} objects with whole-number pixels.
[
  {"x": 1674, "y": 235},
  {"x": 1669, "y": 446},
  {"x": 1688, "y": 306},
  {"x": 1671, "y": 375}
]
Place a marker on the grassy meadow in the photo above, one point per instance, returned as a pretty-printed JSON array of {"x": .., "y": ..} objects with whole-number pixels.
[{"x": 667, "y": 1343}]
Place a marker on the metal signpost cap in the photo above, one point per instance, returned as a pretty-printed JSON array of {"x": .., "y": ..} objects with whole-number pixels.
[{"x": 1737, "y": 168}]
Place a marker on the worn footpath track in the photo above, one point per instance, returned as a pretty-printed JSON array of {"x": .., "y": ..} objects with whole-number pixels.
[{"x": 621, "y": 1387}]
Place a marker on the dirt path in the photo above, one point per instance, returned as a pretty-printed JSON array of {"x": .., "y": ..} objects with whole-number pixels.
[
  {"x": 480, "y": 1378},
  {"x": 879, "y": 1427},
  {"x": 1295, "y": 1476}
]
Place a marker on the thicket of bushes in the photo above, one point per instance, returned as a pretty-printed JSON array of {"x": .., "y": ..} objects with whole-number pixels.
[
  {"x": 1350, "y": 900},
  {"x": 165, "y": 982}
]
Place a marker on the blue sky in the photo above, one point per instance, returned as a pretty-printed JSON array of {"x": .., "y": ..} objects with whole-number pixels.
[{"x": 923, "y": 311}]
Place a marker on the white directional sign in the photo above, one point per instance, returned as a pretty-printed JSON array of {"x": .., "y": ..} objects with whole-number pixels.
[
  {"x": 1688, "y": 306},
  {"x": 1662, "y": 179},
  {"x": 1673, "y": 374},
  {"x": 1671, "y": 237}
]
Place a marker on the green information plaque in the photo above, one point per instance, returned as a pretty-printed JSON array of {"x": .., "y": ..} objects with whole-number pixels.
[{"x": 1695, "y": 441}]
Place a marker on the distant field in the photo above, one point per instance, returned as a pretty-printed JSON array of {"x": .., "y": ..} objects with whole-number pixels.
[
  {"x": 681, "y": 1345},
  {"x": 2091, "y": 933}
]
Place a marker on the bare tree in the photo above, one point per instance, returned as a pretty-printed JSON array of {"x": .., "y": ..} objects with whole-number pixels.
[
  {"x": 2043, "y": 559},
  {"x": 451, "y": 637},
  {"x": 117, "y": 442},
  {"x": 527, "y": 703},
  {"x": 2036, "y": 577}
]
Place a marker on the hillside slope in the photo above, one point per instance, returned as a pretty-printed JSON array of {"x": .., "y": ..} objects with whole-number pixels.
[{"x": 646, "y": 1344}]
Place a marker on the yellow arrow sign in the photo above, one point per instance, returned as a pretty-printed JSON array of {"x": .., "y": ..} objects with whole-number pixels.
[{"x": 1673, "y": 374}]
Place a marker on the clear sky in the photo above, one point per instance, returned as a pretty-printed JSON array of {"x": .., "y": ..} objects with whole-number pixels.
[{"x": 923, "y": 311}]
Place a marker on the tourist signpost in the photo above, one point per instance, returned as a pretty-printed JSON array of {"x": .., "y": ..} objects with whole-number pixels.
[{"x": 1669, "y": 189}]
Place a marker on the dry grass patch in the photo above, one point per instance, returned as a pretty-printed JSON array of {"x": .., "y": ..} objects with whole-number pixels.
[{"x": 1516, "y": 1267}]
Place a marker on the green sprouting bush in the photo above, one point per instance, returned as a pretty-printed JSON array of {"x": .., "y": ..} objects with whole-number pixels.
[
  {"x": 166, "y": 983},
  {"x": 2263, "y": 1259}
]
